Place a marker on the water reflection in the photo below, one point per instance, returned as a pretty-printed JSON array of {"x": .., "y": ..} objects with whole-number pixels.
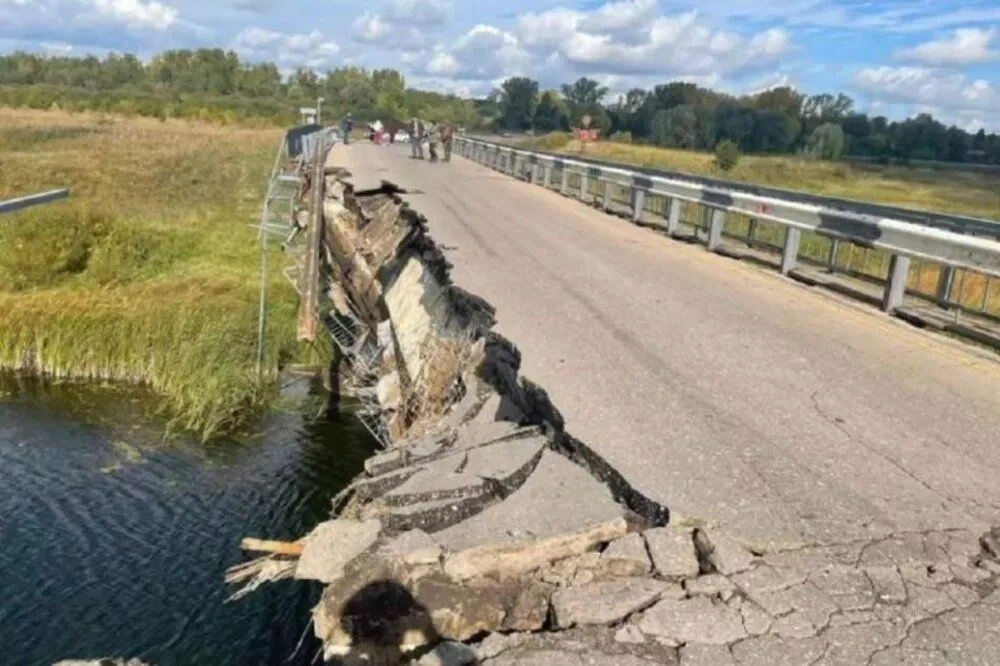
[{"x": 114, "y": 540}]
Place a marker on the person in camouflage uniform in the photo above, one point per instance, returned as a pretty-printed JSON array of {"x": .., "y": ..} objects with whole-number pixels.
[
  {"x": 416, "y": 139},
  {"x": 433, "y": 139},
  {"x": 447, "y": 136}
]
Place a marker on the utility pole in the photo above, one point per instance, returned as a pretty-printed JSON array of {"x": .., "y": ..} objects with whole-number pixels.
[{"x": 319, "y": 110}]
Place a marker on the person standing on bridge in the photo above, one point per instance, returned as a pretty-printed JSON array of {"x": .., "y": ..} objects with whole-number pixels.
[
  {"x": 416, "y": 139},
  {"x": 433, "y": 138},
  {"x": 447, "y": 135},
  {"x": 345, "y": 127}
]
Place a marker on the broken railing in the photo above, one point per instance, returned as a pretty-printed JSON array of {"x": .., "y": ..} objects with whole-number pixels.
[
  {"x": 297, "y": 162},
  {"x": 950, "y": 260},
  {"x": 21, "y": 203}
]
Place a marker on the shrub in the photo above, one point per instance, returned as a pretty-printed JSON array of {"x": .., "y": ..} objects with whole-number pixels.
[
  {"x": 826, "y": 142},
  {"x": 621, "y": 137},
  {"x": 727, "y": 155}
]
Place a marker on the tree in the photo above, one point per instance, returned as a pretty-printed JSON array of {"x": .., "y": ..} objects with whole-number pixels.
[
  {"x": 517, "y": 102},
  {"x": 584, "y": 92},
  {"x": 549, "y": 114},
  {"x": 827, "y": 108},
  {"x": 676, "y": 127},
  {"x": 727, "y": 155},
  {"x": 958, "y": 145},
  {"x": 826, "y": 142},
  {"x": 583, "y": 97}
]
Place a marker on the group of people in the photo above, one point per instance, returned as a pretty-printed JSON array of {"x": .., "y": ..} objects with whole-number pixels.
[{"x": 434, "y": 134}]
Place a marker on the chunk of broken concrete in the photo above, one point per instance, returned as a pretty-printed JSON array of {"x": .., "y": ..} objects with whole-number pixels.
[
  {"x": 499, "y": 468},
  {"x": 626, "y": 556},
  {"x": 383, "y": 602},
  {"x": 605, "y": 602},
  {"x": 711, "y": 585},
  {"x": 695, "y": 654},
  {"x": 629, "y": 634},
  {"x": 413, "y": 547},
  {"x": 558, "y": 498},
  {"x": 672, "y": 550},
  {"x": 496, "y": 644},
  {"x": 499, "y": 408},
  {"x": 697, "y": 620},
  {"x": 726, "y": 554},
  {"x": 523, "y": 556},
  {"x": 388, "y": 391},
  {"x": 449, "y": 653},
  {"x": 332, "y": 545}
]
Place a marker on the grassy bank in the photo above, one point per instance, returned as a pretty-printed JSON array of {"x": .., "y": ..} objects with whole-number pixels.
[
  {"x": 149, "y": 272},
  {"x": 959, "y": 192}
]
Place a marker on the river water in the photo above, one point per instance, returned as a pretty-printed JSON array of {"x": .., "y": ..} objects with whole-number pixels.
[{"x": 114, "y": 539}]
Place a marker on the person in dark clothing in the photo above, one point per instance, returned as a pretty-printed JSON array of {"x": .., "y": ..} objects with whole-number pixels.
[
  {"x": 447, "y": 135},
  {"x": 345, "y": 127}
]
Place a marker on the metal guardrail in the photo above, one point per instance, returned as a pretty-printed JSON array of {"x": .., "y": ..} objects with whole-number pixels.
[
  {"x": 12, "y": 205},
  {"x": 719, "y": 209},
  {"x": 958, "y": 223}
]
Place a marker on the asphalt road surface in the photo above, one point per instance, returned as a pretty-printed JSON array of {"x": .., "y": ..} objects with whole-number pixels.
[{"x": 734, "y": 396}]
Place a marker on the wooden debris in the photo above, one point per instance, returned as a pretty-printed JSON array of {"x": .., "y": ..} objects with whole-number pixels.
[{"x": 294, "y": 548}]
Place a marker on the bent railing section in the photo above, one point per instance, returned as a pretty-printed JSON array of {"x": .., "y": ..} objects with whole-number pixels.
[{"x": 914, "y": 252}]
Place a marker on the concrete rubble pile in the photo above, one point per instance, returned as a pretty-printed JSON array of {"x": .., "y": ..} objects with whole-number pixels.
[{"x": 484, "y": 533}]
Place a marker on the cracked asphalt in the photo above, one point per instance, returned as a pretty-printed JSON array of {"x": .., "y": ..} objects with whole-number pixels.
[{"x": 730, "y": 394}]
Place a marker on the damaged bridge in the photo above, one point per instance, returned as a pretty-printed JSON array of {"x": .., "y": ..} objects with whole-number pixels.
[{"x": 601, "y": 446}]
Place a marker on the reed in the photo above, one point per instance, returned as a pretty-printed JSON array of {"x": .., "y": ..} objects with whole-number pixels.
[{"x": 148, "y": 273}]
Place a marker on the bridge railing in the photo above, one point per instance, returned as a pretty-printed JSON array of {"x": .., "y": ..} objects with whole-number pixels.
[
  {"x": 21, "y": 203},
  {"x": 950, "y": 260}
]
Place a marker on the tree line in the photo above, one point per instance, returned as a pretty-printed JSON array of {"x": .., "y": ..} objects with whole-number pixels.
[
  {"x": 216, "y": 84},
  {"x": 779, "y": 120}
]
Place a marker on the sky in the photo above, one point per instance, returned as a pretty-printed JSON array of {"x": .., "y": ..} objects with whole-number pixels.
[{"x": 894, "y": 57}]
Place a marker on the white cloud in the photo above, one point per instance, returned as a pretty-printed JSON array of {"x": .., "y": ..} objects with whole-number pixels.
[
  {"x": 420, "y": 12},
  {"x": 287, "y": 49},
  {"x": 626, "y": 39},
  {"x": 950, "y": 93},
  {"x": 57, "y": 47},
  {"x": 376, "y": 30},
  {"x": 151, "y": 14},
  {"x": 777, "y": 80},
  {"x": 484, "y": 52},
  {"x": 965, "y": 46},
  {"x": 16, "y": 3},
  {"x": 371, "y": 28}
]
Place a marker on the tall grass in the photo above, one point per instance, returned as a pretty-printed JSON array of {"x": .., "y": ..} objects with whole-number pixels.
[
  {"x": 959, "y": 192},
  {"x": 149, "y": 273}
]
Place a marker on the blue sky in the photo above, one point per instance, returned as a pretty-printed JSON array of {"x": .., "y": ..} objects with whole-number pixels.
[{"x": 895, "y": 57}]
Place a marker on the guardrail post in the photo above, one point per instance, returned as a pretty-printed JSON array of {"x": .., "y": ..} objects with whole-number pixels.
[
  {"x": 674, "y": 216},
  {"x": 564, "y": 184},
  {"x": 790, "y": 253},
  {"x": 534, "y": 173},
  {"x": 583, "y": 186},
  {"x": 831, "y": 260},
  {"x": 945, "y": 280},
  {"x": 638, "y": 204},
  {"x": 606, "y": 203},
  {"x": 715, "y": 225},
  {"x": 547, "y": 176},
  {"x": 895, "y": 286}
]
